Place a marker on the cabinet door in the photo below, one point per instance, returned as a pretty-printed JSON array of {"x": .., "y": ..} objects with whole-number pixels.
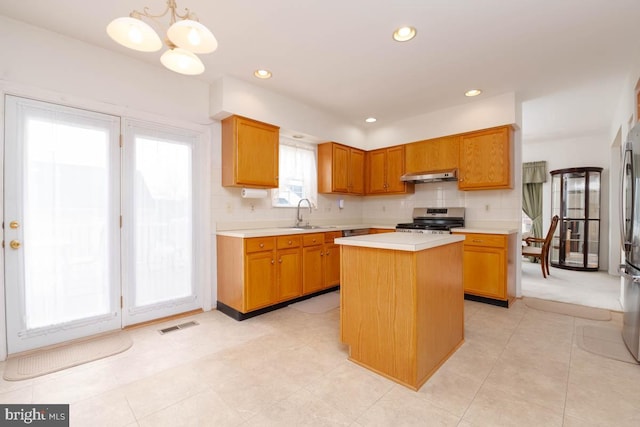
[
  {"x": 376, "y": 171},
  {"x": 260, "y": 281},
  {"x": 340, "y": 169},
  {"x": 249, "y": 153},
  {"x": 433, "y": 154},
  {"x": 394, "y": 170},
  {"x": 484, "y": 271},
  {"x": 485, "y": 159},
  {"x": 331, "y": 265},
  {"x": 356, "y": 171},
  {"x": 289, "y": 273},
  {"x": 312, "y": 263}
]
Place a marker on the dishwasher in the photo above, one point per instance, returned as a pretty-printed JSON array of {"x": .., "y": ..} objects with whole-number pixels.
[{"x": 355, "y": 232}]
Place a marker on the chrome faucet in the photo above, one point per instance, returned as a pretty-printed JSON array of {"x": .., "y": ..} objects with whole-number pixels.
[{"x": 299, "y": 217}]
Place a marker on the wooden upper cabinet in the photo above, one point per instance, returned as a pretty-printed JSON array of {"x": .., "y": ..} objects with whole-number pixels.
[
  {"x": 249, "y": 153},
  {"x": 384, "y": 167},
  {"x": 485, "y": 159},
  {"x": 431, "y": 155},
  {"x": 340, "y": 169}
]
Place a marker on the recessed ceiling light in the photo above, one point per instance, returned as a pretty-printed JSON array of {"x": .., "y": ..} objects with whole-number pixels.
[
  {"x": 262, "y": 74},
  {"x": 404, "y": 34},
  {"x": 370, "y": 120},
  {"x": 473, "y": 92}
]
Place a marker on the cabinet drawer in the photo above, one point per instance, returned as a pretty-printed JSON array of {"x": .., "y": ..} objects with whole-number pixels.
[
  {"x": 290, "y": 241},
  {"x": 313, "y": 239},
  {"x": 492, "y": 240},
  {"x": 257, "y": 244}
]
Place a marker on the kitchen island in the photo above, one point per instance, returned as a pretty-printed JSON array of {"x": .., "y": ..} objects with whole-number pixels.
[{"x": 402, "y": 302}]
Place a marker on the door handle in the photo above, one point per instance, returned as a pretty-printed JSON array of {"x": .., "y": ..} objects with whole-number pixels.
[
  {"x": 15, "y": 244},
  {"x": 14, "y": 224}
]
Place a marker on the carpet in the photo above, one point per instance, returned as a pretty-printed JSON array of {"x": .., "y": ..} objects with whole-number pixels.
[
  {"x": 574, "y": 310},
  {"x": 43, "y": 362},
  {"x": 604, "y": 341},
  {"x": 320, "y": 304}
]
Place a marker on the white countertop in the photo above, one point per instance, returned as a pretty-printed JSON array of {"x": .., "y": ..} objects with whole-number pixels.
[
  {"x": 279, "y": 231},
  {"x": 412, "y": 242},
  {"x": 482, "y": 230}
]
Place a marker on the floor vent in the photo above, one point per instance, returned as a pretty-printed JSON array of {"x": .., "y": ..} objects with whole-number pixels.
[{"x": 177, "y": 327}]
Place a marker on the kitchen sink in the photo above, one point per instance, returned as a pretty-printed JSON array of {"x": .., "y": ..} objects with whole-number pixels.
[{"x": 311, "y": 227}]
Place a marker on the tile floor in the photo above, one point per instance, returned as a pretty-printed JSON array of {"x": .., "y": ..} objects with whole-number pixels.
[{"x": 517, "y": 367}]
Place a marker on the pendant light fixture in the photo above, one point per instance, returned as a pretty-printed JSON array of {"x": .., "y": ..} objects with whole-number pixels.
[{"x": 185, "y": 37}]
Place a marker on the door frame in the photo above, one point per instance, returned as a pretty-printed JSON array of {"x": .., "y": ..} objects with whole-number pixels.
[{"x": 204, "y": 248}]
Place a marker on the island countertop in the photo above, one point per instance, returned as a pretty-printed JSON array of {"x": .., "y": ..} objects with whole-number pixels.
[{"x": 411, "y": 242}]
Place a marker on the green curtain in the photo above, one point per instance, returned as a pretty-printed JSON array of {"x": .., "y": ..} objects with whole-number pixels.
[{"x": 533, "y": 175}]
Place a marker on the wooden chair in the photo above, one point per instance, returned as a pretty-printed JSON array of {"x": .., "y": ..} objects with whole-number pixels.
[{"x": 542, "y": 253}]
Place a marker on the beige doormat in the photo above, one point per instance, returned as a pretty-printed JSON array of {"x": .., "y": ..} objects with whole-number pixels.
[
  {"x": 43, "y": 362},
  {"x": 320, "y": 304},
  {"x": 567, "y": 309},
  {"x": 603, "y": 341}
]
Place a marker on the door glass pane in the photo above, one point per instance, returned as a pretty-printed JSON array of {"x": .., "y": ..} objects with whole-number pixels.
[
  {"x": 66, "y": 217},
  {"x": 163, "y": 221}
]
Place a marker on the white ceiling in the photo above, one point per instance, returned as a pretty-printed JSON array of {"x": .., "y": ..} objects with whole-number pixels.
[{"x": 566, "y": 60}]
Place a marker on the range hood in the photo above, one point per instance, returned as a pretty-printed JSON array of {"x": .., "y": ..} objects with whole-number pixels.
[{"x": 422, "y": 177}]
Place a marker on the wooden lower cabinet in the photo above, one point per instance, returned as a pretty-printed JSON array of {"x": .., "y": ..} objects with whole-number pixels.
[
  {"x": 489, "y": 267},
  {"x": 259, "y": 272},
  {"x": 320, "y": 262}
]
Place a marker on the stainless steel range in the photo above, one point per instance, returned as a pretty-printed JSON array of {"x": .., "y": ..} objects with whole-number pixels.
[{"x": 433, "y": 221}]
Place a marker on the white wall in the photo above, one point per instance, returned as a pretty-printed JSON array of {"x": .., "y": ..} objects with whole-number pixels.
[{"x": 473, "y": 115}]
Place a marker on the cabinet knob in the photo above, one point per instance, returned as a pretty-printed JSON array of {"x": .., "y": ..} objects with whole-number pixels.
[
  {"x": 280, "y": 260},
  {"x": 273, "y": 261},
  {"x": 314, "y": 240},
  {"x": 261, "y": 245},
  {"x": 321, "y": 253},
  {"x": 327, "y": 253},
  {"x": 289, "y": 242}
]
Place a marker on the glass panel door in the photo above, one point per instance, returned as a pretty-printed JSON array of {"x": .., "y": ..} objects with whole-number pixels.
[
  {"x": 62, "y": 206},
  {"x": 158, "y": 223}
]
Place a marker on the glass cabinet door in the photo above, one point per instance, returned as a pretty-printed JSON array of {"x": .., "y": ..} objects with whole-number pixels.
[{"x": 576, "y": 200}]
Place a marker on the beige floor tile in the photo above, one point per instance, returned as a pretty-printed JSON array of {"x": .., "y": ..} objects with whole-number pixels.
[
  {"x": 450, "y": 391},
  {"x": 493, "y": 408},
  {"x": 350, "y": 389},
  {"x": 403, "y": 407},
  {"x": 602, "y": 405},
  {"x": 18, "y": 395},
  {"x": 74, "y": 386},
  {"x": 203, "y": 409},
  {"x": 163, "y": 389},
  {"x": 300, "y": 409},
  {"x": 6, "y": 386},
  {"x": 541, "y": 386},
  {"x": 110, "y": 409}
]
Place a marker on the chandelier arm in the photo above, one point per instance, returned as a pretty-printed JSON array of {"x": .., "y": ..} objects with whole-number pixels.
[{"x": 171, "y": 7}]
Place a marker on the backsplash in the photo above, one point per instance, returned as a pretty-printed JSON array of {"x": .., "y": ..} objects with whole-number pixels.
[{"x": 483, "y": 208}]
